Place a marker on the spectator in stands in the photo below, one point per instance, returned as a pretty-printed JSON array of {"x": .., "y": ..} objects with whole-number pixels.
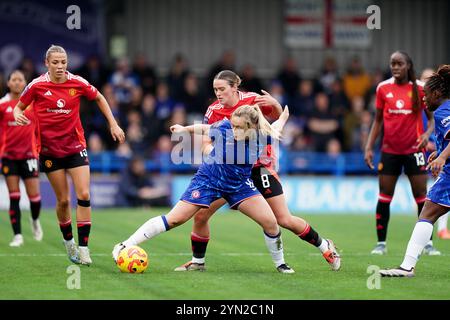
[
  {"x": 164, "y": 102},
  {"x": 95, "y": 144},
  {"x": 136, "y": 95},
  {"x": 193, "y": 98},
  {"x": 123, "y": 80},
  {"x": 289, "y": 77},
  {"x": 277, "y": 92},
  {"x": 302, "y": 104},
  {"x": 146, "y": 73},
  {"x": 369, "y": 99},
  {"x": 178, "y": 117},
  {"x": 356, "y": 80},
  {"x": 124, "y": 150},
  {"x": 334, "y": 148},
  {"x": 250, "y": 81},
  {"x": 28, "y": 68},
  {"x": 322, "y": 124},
  {"x": 135, "y": 133},
  {"x": 136, "y": 188},
  {"x": 94, "y": 71},
  {"x": 351, "y": 125},
  {"x": 177, "y": 75},
  {"x": 329, "y": 74},
  {"x": 161, "y": 154},
  {"x": 149, "y": 119},
  {"x": 339, "y": 104}
]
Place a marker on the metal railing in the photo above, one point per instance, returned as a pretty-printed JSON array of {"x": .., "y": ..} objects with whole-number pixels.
[{"x": 289, "y": 163}]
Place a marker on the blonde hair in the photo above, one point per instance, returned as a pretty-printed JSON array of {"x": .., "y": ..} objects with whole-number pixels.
[
  {"x": 54, "y": 49},
  {"x": 254, "y": 118}
]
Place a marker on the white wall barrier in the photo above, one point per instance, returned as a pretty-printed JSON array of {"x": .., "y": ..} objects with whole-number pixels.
[{"x": 325, "y": 194}]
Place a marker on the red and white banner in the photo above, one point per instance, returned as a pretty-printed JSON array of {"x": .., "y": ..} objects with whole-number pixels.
[{"x": 326, "y": 23}]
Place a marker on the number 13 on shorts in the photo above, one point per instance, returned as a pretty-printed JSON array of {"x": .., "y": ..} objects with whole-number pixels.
[{"x": 420, "y": 158}]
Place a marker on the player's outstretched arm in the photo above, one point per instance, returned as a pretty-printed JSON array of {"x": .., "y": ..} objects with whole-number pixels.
[
  {"x": 281, "y": 121},
  {"x": 116, "y": 131},
  {"x": 19, "y": 115},
  {"x": 425, "y": 137},
  {"x": 202, "y": 129}
]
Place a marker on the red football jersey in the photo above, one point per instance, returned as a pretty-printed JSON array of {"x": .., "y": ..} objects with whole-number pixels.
[
  {"x": 57, "y": 110},
  {"x": 17, "y": 142},
  {"x": 402, "y": 126},
  {"x": 217, "y": 112}
]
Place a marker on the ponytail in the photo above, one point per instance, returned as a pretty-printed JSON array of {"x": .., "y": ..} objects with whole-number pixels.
[
  {"x": 412, "y": 77},
  {"x": 265, "y": 127}
]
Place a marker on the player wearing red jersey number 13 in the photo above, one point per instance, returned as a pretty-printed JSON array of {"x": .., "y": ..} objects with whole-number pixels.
[
  {"x": 56, "y": 100},
  {"x": 399, "y": 110}
]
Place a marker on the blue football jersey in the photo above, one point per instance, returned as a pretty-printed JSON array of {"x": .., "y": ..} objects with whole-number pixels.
[
  {"x": 442, "y": 129},
  {"x": 230, "y": 162}
]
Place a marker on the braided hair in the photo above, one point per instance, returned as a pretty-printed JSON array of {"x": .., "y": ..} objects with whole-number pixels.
[{"x": 440, "y": 81}]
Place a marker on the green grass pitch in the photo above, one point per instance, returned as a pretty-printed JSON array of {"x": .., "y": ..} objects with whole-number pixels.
[{"x": 239, "y": 267}]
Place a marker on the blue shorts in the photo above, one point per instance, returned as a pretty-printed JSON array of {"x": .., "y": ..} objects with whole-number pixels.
[
  {"x": 439, "y": 192},
  {"x": 202, "y": 193}
]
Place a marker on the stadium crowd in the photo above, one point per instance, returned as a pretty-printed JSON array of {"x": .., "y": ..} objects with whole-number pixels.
[{"x": 331, "y": 112}]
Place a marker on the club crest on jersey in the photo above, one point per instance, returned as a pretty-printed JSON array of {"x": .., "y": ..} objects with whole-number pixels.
[
  {"x": 380, "y": 166},
  {"x": 72, "y": 92},
  {"x": 400, "y": 104},
  {"x": 9, "y": 109},
  {"x": 60, "y": 103},
  {"x": 48, "y": 163},
  {"x": 195, "y": 194}
]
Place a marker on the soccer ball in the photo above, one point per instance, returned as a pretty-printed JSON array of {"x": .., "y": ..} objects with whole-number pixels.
[{"x": 132, "y": 259}]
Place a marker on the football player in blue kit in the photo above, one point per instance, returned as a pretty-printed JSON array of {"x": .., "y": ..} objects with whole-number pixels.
[
  {"x": 437, "y": 99},
  {"x": 225, "y": 173}
]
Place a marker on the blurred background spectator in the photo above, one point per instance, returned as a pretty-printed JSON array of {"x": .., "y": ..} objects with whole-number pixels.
[{"x": 137, "y": 189}]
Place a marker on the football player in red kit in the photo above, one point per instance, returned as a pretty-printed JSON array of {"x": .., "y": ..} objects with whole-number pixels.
[
  {"x": 399, "y": 111},
  {"x": 56, "y": 104},
  {"x": 264, "y": 176},
  {"x": 18, "y": 152}
]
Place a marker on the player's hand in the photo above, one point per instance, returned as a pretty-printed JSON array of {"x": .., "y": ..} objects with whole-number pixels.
[
  {"x": 368, "y": 158},
  {"x": 436, "y": 166},
  {"x": 266, "y": 99},
  {"x": 432, "y": 156},
  {"x": 117, "y": 133},
  {"x": 422, "y": 141},
  {"x": 21, "y": 119},
  {"x": 176, "y": 128}
]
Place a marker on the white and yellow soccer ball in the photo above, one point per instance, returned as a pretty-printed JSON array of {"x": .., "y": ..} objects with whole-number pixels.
[{"x": 132, "y": 259}]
